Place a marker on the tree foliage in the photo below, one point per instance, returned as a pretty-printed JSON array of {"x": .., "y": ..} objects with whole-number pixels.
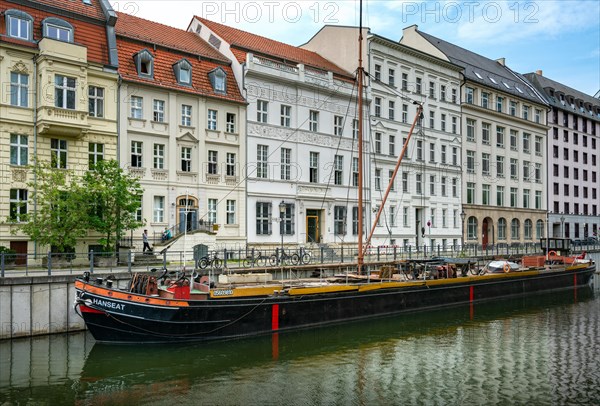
[
  {"x": 114, "y": 197},
  {"x": 56, "y": 219}
]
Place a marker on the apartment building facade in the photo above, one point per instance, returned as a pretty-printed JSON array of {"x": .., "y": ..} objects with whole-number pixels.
[
  {"x": 503, "y": 146},
  {"x": 573, "y": 152},
  {"x": 59, "y": 67},
  {"x": 424, "y": 204},
  {"x": 182, "y": 132},
  {"x": 302, "y": 169}
]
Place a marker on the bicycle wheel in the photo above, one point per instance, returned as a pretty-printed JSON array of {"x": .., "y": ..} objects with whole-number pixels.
[
  {"x": 248, "y": 262},
  {"x": 217, "y": 263},
  {"x": 305, "y": 259},
  {"x": 262, "y": 261},
  {"x": 295, "y": 259},
  {"x": 203, "y": 263},
  {"x": 273, "y": 260}
]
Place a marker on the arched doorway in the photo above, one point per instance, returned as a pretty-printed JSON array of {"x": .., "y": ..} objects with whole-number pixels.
[
  {"x": 487, "y": 232},
  {"x": 187, "y": 214}
]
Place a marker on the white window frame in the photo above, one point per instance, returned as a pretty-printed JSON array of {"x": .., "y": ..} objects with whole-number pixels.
[
  {"x": 158, "y": 111},
  {"x": 136, "y": 107},
  {"x": 158, "y": 156},
  {"x": 211, "y": 120},
  {"x": 19, "y": 89}
]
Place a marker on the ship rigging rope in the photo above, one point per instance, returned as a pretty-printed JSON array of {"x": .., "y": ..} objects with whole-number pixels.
[{"x": 176, "y": 335}]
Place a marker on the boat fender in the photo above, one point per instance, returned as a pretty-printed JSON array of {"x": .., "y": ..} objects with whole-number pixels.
[
  {"x": 506, "y": 267},
  {"x": 552, "y": 253}
]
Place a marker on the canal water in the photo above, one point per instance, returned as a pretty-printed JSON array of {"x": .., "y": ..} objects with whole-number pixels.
[{"x": 541, "y": 350}]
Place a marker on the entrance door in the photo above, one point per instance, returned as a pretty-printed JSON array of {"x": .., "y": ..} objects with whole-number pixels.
[
  {"x": 21, "y": 248},
  {"x": 187, "y": 220},
  {"x": 312, "y": 226}
]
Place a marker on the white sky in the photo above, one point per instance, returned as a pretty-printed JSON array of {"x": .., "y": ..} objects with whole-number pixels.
[{"x": 562, "y": 38}]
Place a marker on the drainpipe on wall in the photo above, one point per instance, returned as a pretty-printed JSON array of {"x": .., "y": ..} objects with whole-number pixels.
[{"x": 35, "y": 142}]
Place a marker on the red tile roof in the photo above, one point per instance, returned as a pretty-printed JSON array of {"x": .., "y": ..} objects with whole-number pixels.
[
  {"x": 160, "y": 34},
  {"x": 243, "y": 40},
  {"x": 89, "y": 34},
  {"x": 77, "y": 7},
  {"x": 164, "y": 76}
]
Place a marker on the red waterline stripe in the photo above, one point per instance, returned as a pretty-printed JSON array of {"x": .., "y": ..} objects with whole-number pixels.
[
  {"x": 470, "y": 293},
  {"x": 85, "y": 309},
  {"x": 275, "y": 318}
]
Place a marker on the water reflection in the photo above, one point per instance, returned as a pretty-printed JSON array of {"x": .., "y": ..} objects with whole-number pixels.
[{"x": 536, "y": 350}]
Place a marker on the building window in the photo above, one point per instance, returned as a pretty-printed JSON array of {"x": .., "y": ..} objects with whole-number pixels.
[
  {"x": 19, "y": 24},
  {"x": 443, "y": 93},
  {"x": 391, "y": 182},
  {"x": 289, "y": 217},
  {"x": 286, "y": 115},
  {"x": 377, "y": 179},
  {"x": 95, "y": 154},
  {"x": 512, "y": 108},
  {"x": 314, "y": 167},
  {"x": 526, "y": 117},
  {"x": 432, "y": 119},
  {"x": 339, "y": 221},
  {"x": 391, "y": 110},
  {"x": 392, "y": 145},
  {"x": 432, "y": 185},
  {"x": 470, "y": 130},
  {"x": 470, "y": 193},
  {"x": 432, "y": 90},
  {"x": 378, "y": 143},
  {"x": 186, "y": 159},
  {"x": 218, "y": 80},
  {"x": 443, "y": 122},
  {"x": 212, "y": 120},
  {"x": 338, "y": 168},
  {"x": 183, "y": 72},
  {"x": 263, "y": 218},
  {"x": 230, "y": 215},
  {"x": 96, "y": 101},
  {"x": 392, "y": 216},
  {"x": 392, "y": 77},
  {"x": 419, "y": 184},
  {"x": 485, "y": 99},
  {"x": 513, "y": 196},
  {"x": 513, "y": 140},
  {"x": 377, "y": 72},
  {"x": 404, "y": 81},
  {"x": 64, "y": 92},
  {"x": 454, "y": 97},
  {"x": 286, "y": 161},
  {"x": 454, "y": 125},
  {"x": 57, "y": 29},
  {"x": 470, "y": 161},
  {"x": 526, "y": 143},
  {"x": 18, "y": 205},
  {"x": 499, "y": 104},
  {"x": 514, "y": 229},
  {"x": 472, "y": 228},
  {"x": 262, "y": 109},
  {"x": 454, "y": 156},
  {"x": 354, "y": 128},
  {"x": 485, "y": 133},
  {"x": 500, "y": 196},
  {"x": 136, "y": 154},
  {"x": 432, "y": 152},
  {"x": 500, "y": 166},
  {"x": 405, "y": 113},
  {"x": 136, "y": 107},
  {"x": 313, "y": 121},
  {"x": 262, "y": 156},
  {"x": 186, "y": 116},
  {"x": 502, "y": 228},
  {"x": 58, "y": 153},
  {"x": 454, "y": 187},
  {"x": 159, "y": 156},
  {"x": 514, "y": 170},
  {"x": 354, "y": 171},
  {"x": 230, "y": 123},
  {"x": 213, "y": 162},
  {"x": 159, "y": 209},
  {"x": 230, "y": 164},
  {"x": 405, "y": 182},
  {"x": 158, "y": 111},
  {"x": 354, "y": 220},
  {"x": 500, "y": 137},
  {"x": 212, "y": 211},
  {"x": 138, "y": 212},
  {"x": 378, "y": 107},
  {"x": 144, "y": 63},
  {"x": 485, "y": 163},
  {"x": 338, "y": 125},
  {"x": 538, "y": 199},
  {"x": 19, "y": 149},
  {"x": 539, "y": 229},
  {"x": 418, "y": 85},
  {"x": 19, "y": 89},
  {"x": 526, "y": 193}
]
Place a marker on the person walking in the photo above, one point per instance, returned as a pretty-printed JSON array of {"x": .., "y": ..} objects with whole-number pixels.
[{"x": 145, "y": 240}]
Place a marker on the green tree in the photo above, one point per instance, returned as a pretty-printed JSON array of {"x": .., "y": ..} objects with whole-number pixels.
[
  {"x": 114, "y": 197},
  {"x": 56, "y": 219}
]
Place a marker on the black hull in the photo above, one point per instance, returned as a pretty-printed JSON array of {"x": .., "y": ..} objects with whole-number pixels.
[{"x": 224, "y": 318}]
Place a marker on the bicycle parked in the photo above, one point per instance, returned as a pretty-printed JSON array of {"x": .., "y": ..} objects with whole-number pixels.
[
  {"x": 305, "y": 256},
  {"x": 284, "y": 259},
  {"x": 212, "y": 261},
  {"x": 256, "y": 259}
]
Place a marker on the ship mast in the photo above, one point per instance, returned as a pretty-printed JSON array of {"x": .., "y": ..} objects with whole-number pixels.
[{"x": 359, "y": 73}]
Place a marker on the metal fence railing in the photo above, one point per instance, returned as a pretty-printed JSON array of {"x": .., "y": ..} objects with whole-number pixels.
[{"x": 240, "y": 258}]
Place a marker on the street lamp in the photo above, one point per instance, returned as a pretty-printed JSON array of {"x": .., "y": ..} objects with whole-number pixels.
[
  {"x": 562, "y": 226},
  {"x": 282, "y": 207},
  {"x": 462, "y": 236}
]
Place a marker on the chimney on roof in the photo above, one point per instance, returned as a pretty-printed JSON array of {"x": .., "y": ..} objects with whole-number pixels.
[
  {"x": 539, "y": 72},
  {"x": 501, "y": 61}
]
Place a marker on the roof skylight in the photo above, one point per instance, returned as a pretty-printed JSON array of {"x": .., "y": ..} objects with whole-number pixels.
[{"x": 493, "y": 80}]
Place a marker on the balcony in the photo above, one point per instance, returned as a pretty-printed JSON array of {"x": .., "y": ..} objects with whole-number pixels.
[{"x": 64, "y": 122}]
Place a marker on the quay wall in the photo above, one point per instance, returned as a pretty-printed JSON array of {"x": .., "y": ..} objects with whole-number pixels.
[{"x": 40, "y": 305}]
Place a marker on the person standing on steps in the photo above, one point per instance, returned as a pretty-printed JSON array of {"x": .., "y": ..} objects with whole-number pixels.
[{"x": 145, "y": 240}]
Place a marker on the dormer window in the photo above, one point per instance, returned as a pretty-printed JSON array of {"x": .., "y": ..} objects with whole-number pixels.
[
  {"x": 57, "y": 29},
  {"x": 19, "y": 24},
  {"x": 218, "y": 80},
  {"x": 183, "y": 72},
  {"x": 144, "y": 64}
]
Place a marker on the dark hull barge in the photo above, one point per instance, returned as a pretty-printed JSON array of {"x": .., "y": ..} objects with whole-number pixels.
[{"x": 182, "y": 313}]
